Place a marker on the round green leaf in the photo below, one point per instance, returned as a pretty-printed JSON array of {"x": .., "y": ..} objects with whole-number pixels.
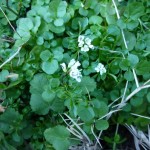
[
  {"x": 25, "y": 24},
  {"x": 95, "y": 20},
  {"x": 48, "y": 96},
  {"x": 50, "y": 67},
  {"x": 133, "y": 59},
  {"x": 86, "y": 114},
  {"x": 58, "y": 137},
  {"x": 113, "y": 30},
  {"x": 58, "y": 22},
  {"x": 45, "y": 55},
  {"x": 129, "y": 75},
  {"x": 40, "y": 40},
  {"x": 101, "y": 124},
  {"x": 3, "y": 75},
  {"x": 136, "y": 101},
  {"x": 61, "y": 11}
]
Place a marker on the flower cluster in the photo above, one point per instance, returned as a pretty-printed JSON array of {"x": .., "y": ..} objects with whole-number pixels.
[
  {"x": 100, "y": 68},
  {"x": 84, "y": 43},
  {"x": 74, "y": 72}
]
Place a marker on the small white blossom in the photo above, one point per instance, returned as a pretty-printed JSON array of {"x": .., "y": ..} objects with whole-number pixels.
[
  {"x": 74, "y": 72},
  {"x": 100, "y": 68},
  {"x": 88, "y": 41},
  {"x": 91, "y": 46},
  {"x": 64, "y": 68},
  {"x": 85, "y": 48},
  {"x": 81, "y": 43},
  {"x": 80, "y": 38},
  {"x": 84, "y": 43},
  {"x": 71, "y": 63}
]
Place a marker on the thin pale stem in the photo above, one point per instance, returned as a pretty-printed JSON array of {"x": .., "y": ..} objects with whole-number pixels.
[
  {"x": 84, "y": 134},
  {"x": 10, "y": 58},
  {"x": 97, "y": 139},
  {"x": 9, "y": 21},
  {"x": 140, "y": 116}
]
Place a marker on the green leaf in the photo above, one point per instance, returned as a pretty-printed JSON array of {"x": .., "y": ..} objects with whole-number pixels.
[
  {"x": 10, "y": 116},
  {"x": 55, "y": 82},
  {"x": 86, "y": 113},
  {"x": 130, "y": 39},
  {"x": 132, "y": 24},
  {"x": 25, "y": 24},
  {"x": 58, "y": 53},
  {"x": 87, "y": 84},
  {"x": 137, "y": 101},
  {"x": 56, "y": 29},
  {"x": 16, "y": 137},
  {"x": 79, "y": 23},
  {"x": 3, "y": 75},
  {"x": 40, "y": 40},
  {"x": 83, "y": 11},
  {"x": 58, "y": 22},
  {"x": 38, "y": 83},
  {"x": 129, "y": 75},
  {"x": 113, "y": 30},
  {"x": 121, "y": 23},
  {"x": 148, "y": 97},
  {"x": 58, "y": 137},
  {"x": 45, "y": 55},
  {"x": 61, "y": 11},
  {"x": 48, "y": 96},
  {"x": 134, "y": 10},
  {"x": 124, "y": 64},
  {"x": 37, "y": 22},
  {"x": 95, "y": 20},
  {"x": 143, "y": 67},
  {"x": 38, "y": 105},
  {"x": 47, "y": 35},
  {"x": 101, "y": 124},
  {"x": 100, "y": 108},
  {"x": 50, "y": 67},
  {"x": 133, "y": 59}
]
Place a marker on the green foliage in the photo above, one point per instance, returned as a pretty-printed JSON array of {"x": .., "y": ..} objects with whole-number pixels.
[
  {"x": 39, "y": 84},
  {"x": 58, "y": 136}
]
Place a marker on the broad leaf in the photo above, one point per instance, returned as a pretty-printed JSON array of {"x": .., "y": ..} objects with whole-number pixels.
[{"x": 58, "y": 137}]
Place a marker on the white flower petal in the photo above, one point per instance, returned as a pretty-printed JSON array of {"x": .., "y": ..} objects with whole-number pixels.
[
  {"x": 80, "y": 38},
  {"x": 80, "y": 44},
  {"x": 100, "y": 68},
  {"x": 88, "y": 41},
  {"x": 71, "y": 63},
  {"x": 76, "y": 74},
  {"x": 63, "y": 65},
  {"x": 85, "y": 48},
  {"x": 91, "y": 46}
]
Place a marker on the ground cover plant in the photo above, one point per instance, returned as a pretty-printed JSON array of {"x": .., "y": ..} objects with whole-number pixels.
[{"x": 74, "y": 74}]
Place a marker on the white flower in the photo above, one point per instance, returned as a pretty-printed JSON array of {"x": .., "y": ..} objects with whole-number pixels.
[
  {"x": 71, "y": 63},
  {"x": 91, "y": 46},
  {"x": 80, "y": 38},
  {"x": 76, "y": 74},
  {"x": 100, "y": 68},
  {"x": 88, "y": 41},
  {"x": 81, "y": 43},
  {"x": 84, "y": 43},
  {"x": 85, "y": 48},
  {"x": 64, "y": 68}
]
